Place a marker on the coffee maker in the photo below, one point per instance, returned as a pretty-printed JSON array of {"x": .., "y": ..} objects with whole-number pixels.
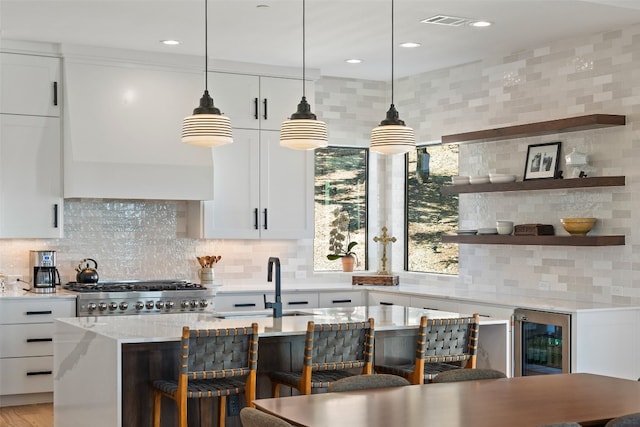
[{"x": 45, "y": 276}]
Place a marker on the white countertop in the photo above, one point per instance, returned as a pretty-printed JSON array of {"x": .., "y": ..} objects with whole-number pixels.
[
  {"x": 443, "y": 292},
  {"x": 162, "y": 327},
  {"x": 19, "y": 293}
]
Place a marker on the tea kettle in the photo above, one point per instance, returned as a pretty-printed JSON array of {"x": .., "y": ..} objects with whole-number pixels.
[{"x": 85, "y": 273}]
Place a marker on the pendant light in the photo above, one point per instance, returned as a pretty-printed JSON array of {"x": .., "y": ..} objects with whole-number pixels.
[
  {"x": 392, "y": 136},
  {"x": 207, "y": 127},
  {"x": 303, "y": 131}
]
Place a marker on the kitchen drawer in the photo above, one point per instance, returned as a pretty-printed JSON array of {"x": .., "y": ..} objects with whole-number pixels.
[
  {"x": 435, "y": 304},
  {"x": 35, "y": 311},
  {"x": 383, "y": 298},
  {"x": 26, "y": 375},
  {"x": 241, "y": 302},
  {"x": 295, "y": 300},
  {"x": 485, "y": 310},
  {"x": 26, "y": 340},
  {"x": 340, "y": 299}
]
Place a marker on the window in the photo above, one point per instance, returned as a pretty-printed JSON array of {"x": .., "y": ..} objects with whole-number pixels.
[
  {"x": 340, "y": 189},
  {"x": 430, "y": 214}
]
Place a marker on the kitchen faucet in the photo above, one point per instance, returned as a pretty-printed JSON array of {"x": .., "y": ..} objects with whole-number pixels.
[{"x": 277, "y": 305}]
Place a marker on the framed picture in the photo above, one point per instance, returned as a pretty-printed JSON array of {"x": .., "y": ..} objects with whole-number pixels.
[{"x": 542, "y": 161}]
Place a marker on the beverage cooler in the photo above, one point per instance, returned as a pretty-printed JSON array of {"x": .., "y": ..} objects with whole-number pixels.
[{"x": 542, "y": 342}]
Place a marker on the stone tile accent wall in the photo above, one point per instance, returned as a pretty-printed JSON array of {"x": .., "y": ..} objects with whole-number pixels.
[{"x": 594, "y": 74}]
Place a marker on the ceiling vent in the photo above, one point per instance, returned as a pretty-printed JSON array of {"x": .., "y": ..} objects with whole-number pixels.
[{"x": 451, "y": 21}]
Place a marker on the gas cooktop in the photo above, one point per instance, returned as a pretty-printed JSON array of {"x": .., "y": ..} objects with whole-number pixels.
[{"x": 133, "y": 286}]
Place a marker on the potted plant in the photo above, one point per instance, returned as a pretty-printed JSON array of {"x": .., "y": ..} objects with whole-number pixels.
[{"x": 340, "y": 243}]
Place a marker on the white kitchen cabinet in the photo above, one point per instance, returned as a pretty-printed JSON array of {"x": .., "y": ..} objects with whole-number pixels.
[
  {"x": 463, "y": 307},
  {"x": 241, "y": 302},
  {"x": 29, "y": 85},
  {"x": 341, "y": 299},
  {"x": 30, "y": 177},
  {"x": 299, "y": 300},
  {"x": 257, "y": 102},
  {"x": 388, "y": 298},
  {"x": 262, "y": 191},
  {"x": 26, "y": 347},
  {"x": 122, "y": 130}
]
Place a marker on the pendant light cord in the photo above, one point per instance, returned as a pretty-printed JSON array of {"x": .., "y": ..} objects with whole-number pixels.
[
  {"x": 304, "y": 62},
  {"x": 392, "y": 44},
  {"x": 206, "y": 47}
]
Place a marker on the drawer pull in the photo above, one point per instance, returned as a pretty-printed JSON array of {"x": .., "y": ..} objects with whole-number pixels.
[
  {"x": 298, "y": 302},
  {"x": 429, "y": 308},
  {"x": 248, "y": 304},
  {"x": 29, "y": 374},
  {"x": 340, "y": 301},
  {"x": 35, "y": 313},
  {"x": 39, "y": 339},
  {"x": 385, "y": 303}
]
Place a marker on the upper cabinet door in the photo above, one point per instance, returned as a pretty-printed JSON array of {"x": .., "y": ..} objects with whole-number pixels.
[
  {"x": 279, "y": 98},
  {"x": 237, "y": 97},
  {"x": 30, "y": 177},
  {"x": 286, "y": 190},
  {"x": 30, "y": 85}
]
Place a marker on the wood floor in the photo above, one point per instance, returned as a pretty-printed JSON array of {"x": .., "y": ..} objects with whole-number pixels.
[{"x": 40, "y": 415}]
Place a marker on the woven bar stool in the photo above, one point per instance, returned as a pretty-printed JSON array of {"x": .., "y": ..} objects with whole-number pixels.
[
  {"x": 442, "y": 345},
  {"x": 331, "y": 351},
  {"x": 213, "y": 363}
]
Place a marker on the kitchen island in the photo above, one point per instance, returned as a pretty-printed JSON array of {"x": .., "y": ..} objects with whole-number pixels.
[{"x": 102, "y": 365}]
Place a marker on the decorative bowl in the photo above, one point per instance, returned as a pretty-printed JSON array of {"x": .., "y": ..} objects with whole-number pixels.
[
  {"x": 498, "y": 178},
  {"x": 578, "y": 226},
  {"x": 460, "y": 180},
  {"x": 479, "y": 179}
]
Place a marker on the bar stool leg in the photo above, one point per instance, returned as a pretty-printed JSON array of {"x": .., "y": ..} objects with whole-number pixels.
[
  {"x": 222, "y": 411},
  {"x": 157, "y": 401}
]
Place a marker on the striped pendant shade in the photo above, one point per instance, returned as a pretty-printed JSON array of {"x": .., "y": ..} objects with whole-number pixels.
[
  {"x": 392, "y": 139},
  {"x": 207, "y": 130},
  {"x": 303, "y": 134}
]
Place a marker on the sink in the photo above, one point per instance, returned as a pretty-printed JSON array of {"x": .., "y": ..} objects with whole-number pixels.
[{"x": 261, "y": 314}]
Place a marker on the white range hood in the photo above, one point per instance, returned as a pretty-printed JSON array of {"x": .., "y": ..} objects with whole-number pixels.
[{"x": 122, "y": 129}]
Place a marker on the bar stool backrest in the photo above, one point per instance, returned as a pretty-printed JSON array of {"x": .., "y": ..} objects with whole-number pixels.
[{"x": 334, "y": 346}]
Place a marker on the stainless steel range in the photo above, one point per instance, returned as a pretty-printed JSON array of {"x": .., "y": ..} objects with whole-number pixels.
[{"x": 140, "y": 297}]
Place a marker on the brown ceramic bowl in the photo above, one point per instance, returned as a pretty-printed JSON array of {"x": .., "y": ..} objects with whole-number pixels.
[{"x": 578, "y": 226}]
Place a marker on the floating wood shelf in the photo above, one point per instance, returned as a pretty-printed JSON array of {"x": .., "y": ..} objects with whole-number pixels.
[
  {"x": 571, "y": 124},
  {"x": 539, "y": 184},
  {"x": 493, "y": 239}
]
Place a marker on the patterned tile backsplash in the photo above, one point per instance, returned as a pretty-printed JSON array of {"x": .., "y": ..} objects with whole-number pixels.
[{"x": 137, "y": 239}]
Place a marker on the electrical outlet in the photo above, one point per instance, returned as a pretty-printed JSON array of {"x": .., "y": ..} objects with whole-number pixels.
[
  {"x": 616, "y": 290},
  {"x": 12, "y": 279},
  {"x": 543, "y": 286},
  {"x": 233, "y": 405}
]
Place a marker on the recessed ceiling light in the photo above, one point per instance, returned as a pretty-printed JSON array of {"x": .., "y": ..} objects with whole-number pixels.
[
  {"x": 170, "y": 42},
  {"x": 410, "y": 44},
  {"x": 353, "y": 61},
  {"x": 481, "y": 24}
]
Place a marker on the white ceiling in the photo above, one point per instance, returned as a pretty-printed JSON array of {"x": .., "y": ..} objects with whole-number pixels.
[{"x": 336, "y": 29}]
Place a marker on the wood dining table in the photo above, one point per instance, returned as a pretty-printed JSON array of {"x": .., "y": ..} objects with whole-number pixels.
[{"x": 588, "y": 399}]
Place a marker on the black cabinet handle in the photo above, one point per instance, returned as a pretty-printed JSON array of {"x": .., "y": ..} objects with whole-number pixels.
[
  {"x": 430, "y": 308},
  {"x": 55, "y": 215},
  {"x": 255, "y": 218},
  {"x": 245, "y": 304},
  {"x": 35, "y": 313},
  {"x": 340, "y": 301},
  {"x": 265, "y": 219},
  {"x": 385, "y": 303},
  {"x": 255, "y": 108},
  {"x": 298, "y": 303},
  {"x": 265, "y": 108},
  {"x": 55, "y": 93},
  {"x": 39, "y": 339},
  {"x": 39, "y": 373}
]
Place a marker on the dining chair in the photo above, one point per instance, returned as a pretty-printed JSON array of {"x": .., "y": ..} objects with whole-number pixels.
[
  {"x": 442, "y": 345},
  {"x": 468, "y": 375},
  {"x": 629, "y": 420},
  {"x": 212, "y": 363},
  {"x": 365, "y": 382},
  {"x": 331, "y": 351},
  {"x": 252, "y": 417}
]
